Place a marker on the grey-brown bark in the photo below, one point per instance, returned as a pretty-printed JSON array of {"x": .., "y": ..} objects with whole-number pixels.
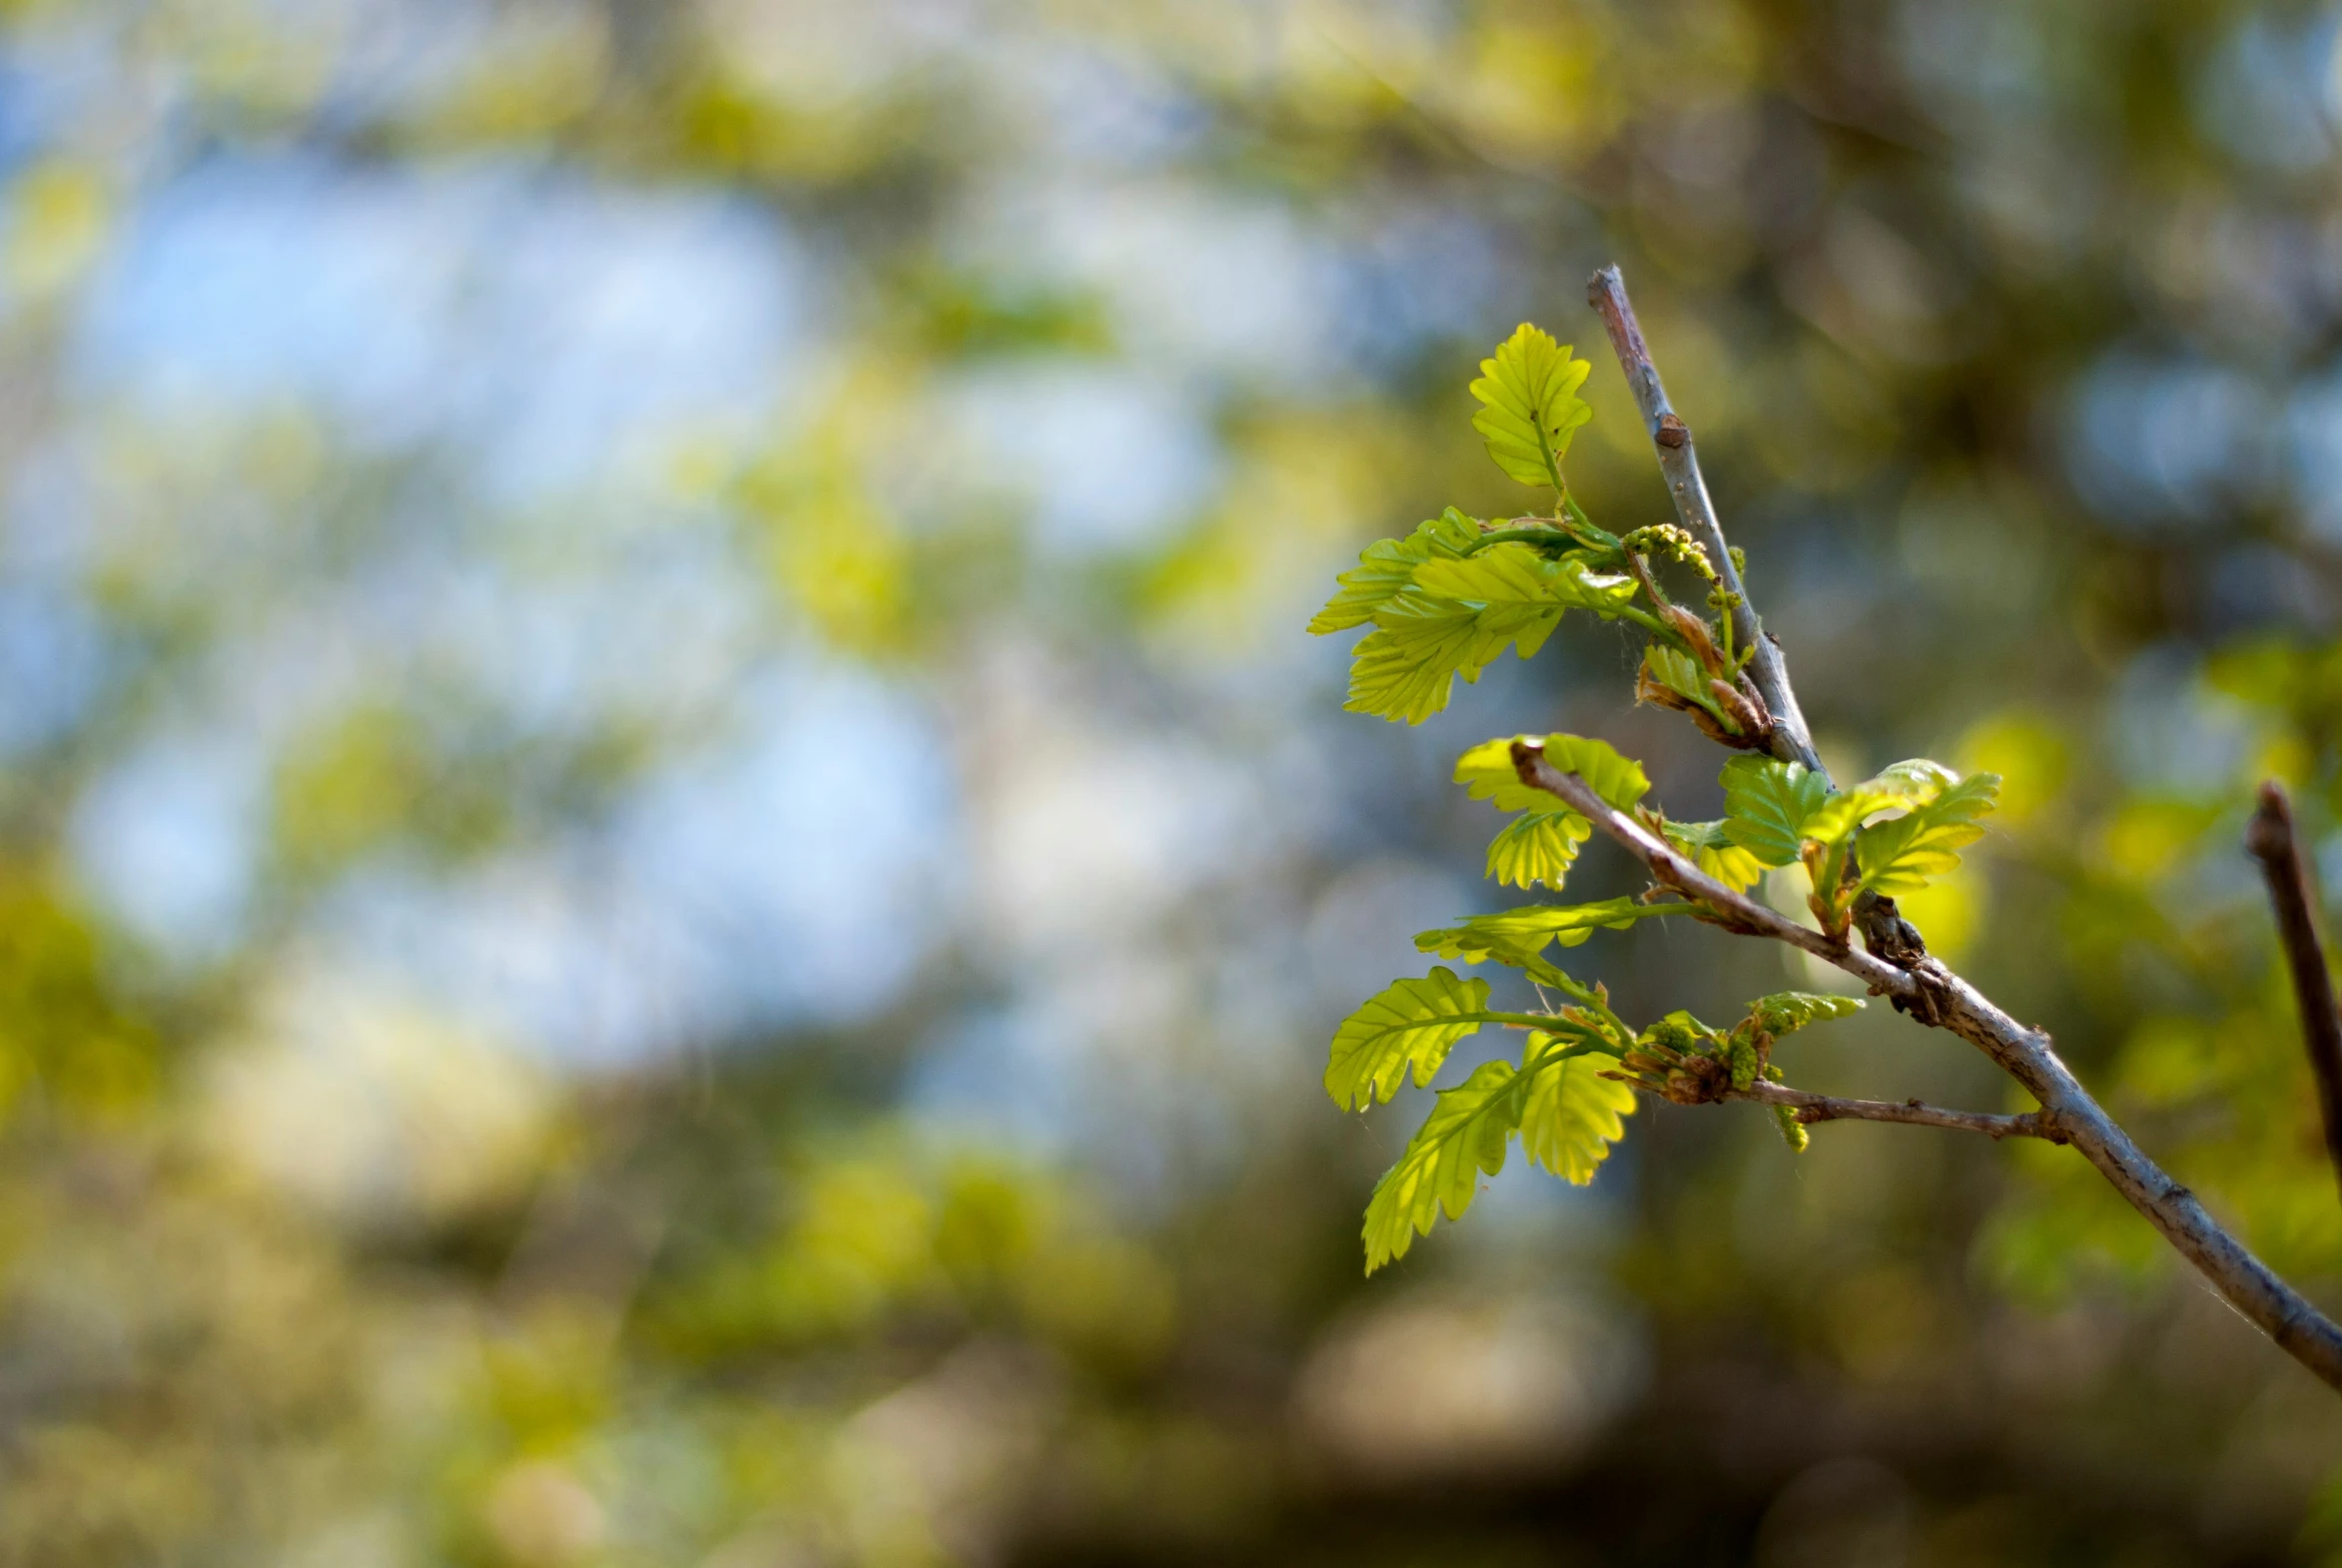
[
  {"x": 1812, "y": 1108},
  {"x": 1880, "y": 921}
]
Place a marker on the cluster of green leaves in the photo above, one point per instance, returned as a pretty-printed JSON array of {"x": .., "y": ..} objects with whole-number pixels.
[
  {"x": 1541, "y": 841},
  {"x": 1889, "y": 835},
  {"x": 1565, "y": 1099},
  {"x": 1446, "y": 601},
  {"x": 1565, "y": 1095},
  {"x": 1449, "y": 598}
]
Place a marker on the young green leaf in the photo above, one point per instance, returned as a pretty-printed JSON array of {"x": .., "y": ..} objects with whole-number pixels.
[
  {"x": 1573, "y": 1113},
  {"x": 1487, "y": 770},
  {"x": 1541, "y": 845},
  {"x": 1386, "y": 566},
  {"x": 1516, "y": 573},
  {"x": 1679, "y": 672},
  {"x": 1786, "y": 1011},
  {"x": 1405, "y": 668},
  {"x": 1412, "y": 1024},
  {"x": 1499, "y": 575},
  {"x": 1537, "y": 847},
  {"x": 1900, "y": 856},
  {"x": 1464, "y": 1137},
  {"x": 1906, "y": 784},
  {"x": 1917, "y": 778},
  {"x": 1454, "y": 614},
  {"x": 1766, "y": 805},
  {"x": 1713, "y": 851},
  {"x": 1578, "y": 586},
  {"x": 1514, "y": 935},
  {"x": 1530, "y": 393}
]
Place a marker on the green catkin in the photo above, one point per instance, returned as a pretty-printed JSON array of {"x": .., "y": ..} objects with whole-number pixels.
[
  {"x": 1793, "y": 1132},
  {"x": 1664, "y": 538}
]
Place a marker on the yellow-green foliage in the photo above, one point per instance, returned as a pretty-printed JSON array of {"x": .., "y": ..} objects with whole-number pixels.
[
  {"x": 1565, "y": 1111},
  {"x": 1444, "y": 601},
  {"x": 1529, "y": 390}
]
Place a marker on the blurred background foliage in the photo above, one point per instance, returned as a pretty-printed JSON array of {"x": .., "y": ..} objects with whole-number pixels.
[{"x": 673, "y": 870}]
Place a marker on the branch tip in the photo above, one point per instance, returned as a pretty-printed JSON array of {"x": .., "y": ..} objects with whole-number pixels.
[
  {"x": 2269, "y": 835},
  {"x": 1695, "y": 511},
  {"x": 2273, "y": 839}
]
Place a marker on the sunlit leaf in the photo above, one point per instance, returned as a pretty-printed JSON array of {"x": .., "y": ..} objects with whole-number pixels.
[
  {"x": 1500, "y": 574},
  {"x": 1573, "y": 1114},
  {"x": 1530, "y": 392},
  {"x": 1464, "y": 1138},
  {"x": 1514, "y": 573},
  {"x": 1405, "y": 668},
  {"x": 1453, "y": 615},
  {"x": 1580, "y": 586},
  {"x": 1543, "y": 843},
  {"x": 1386, "y": 566},
  {"x": 1487, "y": 770},
  {"x": 1906, "y": 784},
  {"x": 1512, "y": 935},
  {"x": 1917, "y": 777},
  {"x": 1412, "y": 1023},
  {"x": 1537, "y": 847},
  {"x": 1713, "y": 851},
  {"x": 1900, "y": 856}
]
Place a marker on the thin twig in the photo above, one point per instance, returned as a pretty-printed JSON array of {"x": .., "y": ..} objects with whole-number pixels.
[
  {"x": 1676, "y": 872},
  {"x": 1812, "y": 1108},
  {"x": 2276, "y": 844},
  {"x": 2027, "y": 1054},
  {"x": 1882, "y": 925},
  {"x": 1606, "y": 292}
]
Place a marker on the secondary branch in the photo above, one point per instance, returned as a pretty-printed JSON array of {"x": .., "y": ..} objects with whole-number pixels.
[
  {"x": 1680, "y": 462},
  {"x": 2276, "y": 844},
  {"x": 1811, "y": 1107},
  {"x": 1944, "y": 999},
  {"x": 1881, "y": 923}
]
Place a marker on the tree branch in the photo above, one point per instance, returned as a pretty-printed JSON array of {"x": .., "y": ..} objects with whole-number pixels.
[
  {"x": 1941, "y": 997},
  {"x": 1882, "y": 925},
  {"x": 2276, "y": 844},
  {"x": 1812, "y": 1108},
  {"x": 1606, "y": 292},
  {"x": 1677, "y": 873}
]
